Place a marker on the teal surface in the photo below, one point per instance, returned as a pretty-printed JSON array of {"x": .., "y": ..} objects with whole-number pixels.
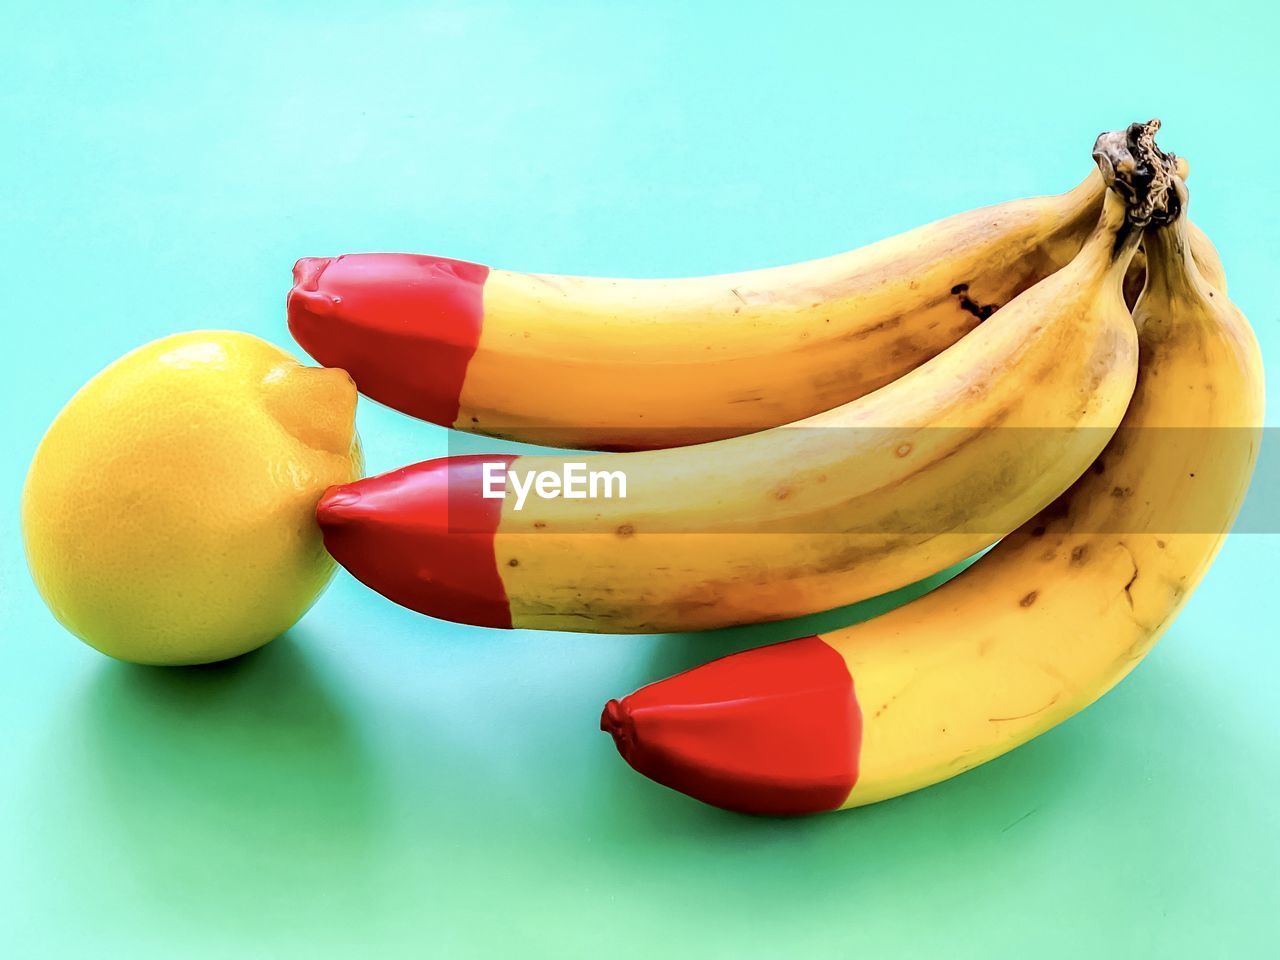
[{"x": 377, "y": 784}]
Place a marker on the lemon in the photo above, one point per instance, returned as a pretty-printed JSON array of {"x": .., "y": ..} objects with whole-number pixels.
[{"x": 168, "y": 514}]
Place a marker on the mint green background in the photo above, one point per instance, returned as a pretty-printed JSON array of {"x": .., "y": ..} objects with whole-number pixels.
[{"x": 379, "y": 784}]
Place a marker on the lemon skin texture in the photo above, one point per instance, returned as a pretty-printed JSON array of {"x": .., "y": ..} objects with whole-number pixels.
[{"x": 168, "y": 514}]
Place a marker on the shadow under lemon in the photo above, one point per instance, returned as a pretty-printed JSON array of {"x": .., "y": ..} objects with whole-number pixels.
[{"x": 231, "y": 782}]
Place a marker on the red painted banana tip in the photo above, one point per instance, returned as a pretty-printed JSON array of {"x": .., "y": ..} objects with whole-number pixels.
[
  {"x": 307, "y": 307},
  {"x": 306, "y": 272},
  {"x": 774, "y": 731},
  {"x": 339, "y": 505},
  {"x": 422, "y": 536},
  {"x": 405, "y": 326}
]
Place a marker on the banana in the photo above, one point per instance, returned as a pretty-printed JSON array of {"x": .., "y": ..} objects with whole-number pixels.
[
  {"x": 1205, "y": 254},
  {"x": 847, "y": 504},
  {"x": 594, "y": 363},
  {"x": 1034, "y": 631}
]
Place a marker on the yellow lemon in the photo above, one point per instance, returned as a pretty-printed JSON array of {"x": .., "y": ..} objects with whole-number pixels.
[{"x": 168, "y": 513}]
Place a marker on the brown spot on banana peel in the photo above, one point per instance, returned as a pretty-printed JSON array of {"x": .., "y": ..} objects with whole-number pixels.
[
  {"x": 980, "y": 310},
  {"x": 1128, "y": 587},
  {"x": 1029, "y": 599},
  {"x": 967, "y": 304},
  {"x": 887, "y": 704},
  {"x": 845, "y": 557},
  {"x": 888, "y": 323},
  {"x": 858, "y": 552},
  {"x": 972, "y": 435}
]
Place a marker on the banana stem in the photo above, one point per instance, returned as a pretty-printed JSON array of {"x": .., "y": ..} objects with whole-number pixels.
[
  {"x": 1140, "y": 172},
  {"x": 1171, "y": 268}
]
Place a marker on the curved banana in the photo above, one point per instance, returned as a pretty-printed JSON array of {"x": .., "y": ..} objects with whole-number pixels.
[
  {"x": 1205, "y": 254},
  {"x": 863, "y": 499},
  {"x": 1036, "y": 630},
  {"x": 594, "y": 363}
]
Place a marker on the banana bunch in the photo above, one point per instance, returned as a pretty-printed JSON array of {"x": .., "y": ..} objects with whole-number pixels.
[
  {"x": 841, "y": 506},
  {"x": 1062, "y": 377}
]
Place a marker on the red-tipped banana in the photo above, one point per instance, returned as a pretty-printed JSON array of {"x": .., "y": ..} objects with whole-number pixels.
[
  {"x": 595, "y": 363},
  {"x": 1036, "y": 630}
]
